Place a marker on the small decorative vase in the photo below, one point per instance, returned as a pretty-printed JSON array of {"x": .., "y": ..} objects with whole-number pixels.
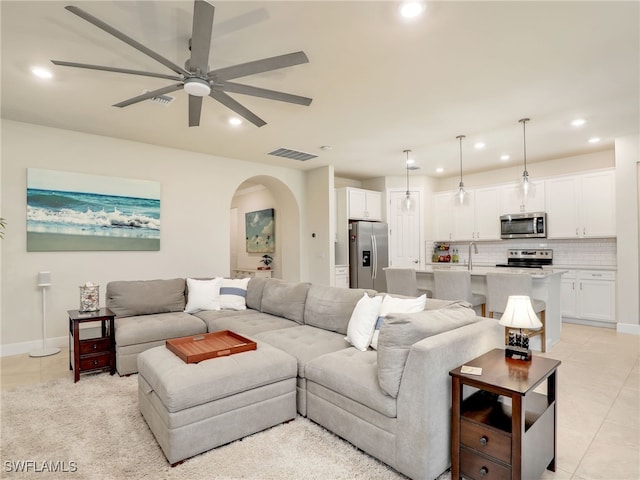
[{"x": 89, "y": 297}]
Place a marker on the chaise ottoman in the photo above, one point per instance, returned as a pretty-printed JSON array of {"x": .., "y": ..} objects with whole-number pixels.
[{"x": 194, "y": 407}]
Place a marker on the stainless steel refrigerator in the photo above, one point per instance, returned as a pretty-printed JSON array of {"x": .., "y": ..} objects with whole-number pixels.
[{"x": 368, "y": 255}]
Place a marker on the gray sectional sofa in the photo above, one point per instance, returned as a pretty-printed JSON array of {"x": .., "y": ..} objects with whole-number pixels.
[{"x": 393, "y": 402}]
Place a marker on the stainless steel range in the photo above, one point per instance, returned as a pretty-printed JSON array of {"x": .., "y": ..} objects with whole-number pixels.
[{"x": 527, "y": 258}]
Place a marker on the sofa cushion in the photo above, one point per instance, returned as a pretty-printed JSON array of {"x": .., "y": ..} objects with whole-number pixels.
[
  {"x": 363, "y": 322},
  {"x": 392, "y": 304},
  {"x": 126, "y": 298},
  {"x": 203, "y": 294},
  {"x": 245, "y": 322},
  {"x": 352, "y": 374},
  {"x": 330, "y": 308},
  {"x": 233, "y": 293},
  {"x": 154, "y": 327},
  {"x": 304, "y": 342},
  {"x": 285, "y": 299},
  {"x": 255, "y": 289},
  {"x": 400, "y": 331}
]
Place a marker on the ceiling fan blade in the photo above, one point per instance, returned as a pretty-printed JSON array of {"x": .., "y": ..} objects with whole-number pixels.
[
  {"x": 258, "y": 66},
  {"x": 126, "y": 39},
  {"x": 264, "y": 93},
  {"x": 201, "y": 36},
  {"x": 230, "y": 103},
  {"x": 195, "y": 106},
  {"x": 148, "y": 95},
  {"x": 116, "y": 70}
]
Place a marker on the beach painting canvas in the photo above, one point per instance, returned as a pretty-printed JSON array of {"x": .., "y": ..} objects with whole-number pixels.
[
  {"x": 69, "y": 211},
  {"x": 260, "y": 231}
]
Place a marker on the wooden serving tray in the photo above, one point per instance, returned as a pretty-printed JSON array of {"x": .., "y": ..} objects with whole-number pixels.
[{"x": 197, "y": 348}]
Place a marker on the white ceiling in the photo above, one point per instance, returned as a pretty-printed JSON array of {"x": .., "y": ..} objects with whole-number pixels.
[{"x": 380, "y": 84}]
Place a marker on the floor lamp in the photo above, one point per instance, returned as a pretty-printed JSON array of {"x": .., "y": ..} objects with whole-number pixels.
[{"x": 44, "y": 281}]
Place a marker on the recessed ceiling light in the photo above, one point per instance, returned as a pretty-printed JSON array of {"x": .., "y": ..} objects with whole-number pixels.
[
  {"x": 479, "y": 145},
  {"x": 594, "y": 139},
  {"x": 578, "y": 122},
  {"x": 410, "y": 161},
  {"x": 504, "y": 157},
  {"x": 411, "y": 9},
  {"x": 41, "y": 72},
  {"x": 439, "y": 170},
  {"x": 235, "y": 121}
]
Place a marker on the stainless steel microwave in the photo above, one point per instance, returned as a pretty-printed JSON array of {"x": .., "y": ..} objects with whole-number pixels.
[{"x": 523, "y": 225}]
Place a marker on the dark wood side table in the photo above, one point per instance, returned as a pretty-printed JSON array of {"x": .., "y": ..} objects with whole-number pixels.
[
  {"x": 504, "y": 430},
  {"x": 93, "y": 353}
]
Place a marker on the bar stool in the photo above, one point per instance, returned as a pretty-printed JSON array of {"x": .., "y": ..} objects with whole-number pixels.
[
  {"x": 501, "y": 285},
  {"x": 402, "y": 281},
  {"x": 456, "y": 285}
]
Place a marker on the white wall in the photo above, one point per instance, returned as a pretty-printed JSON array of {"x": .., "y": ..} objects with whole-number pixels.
[
  {"x": 196, "y": 193},
  {"x": 538, "y": 170},
  {"x": 319, "y": 232},
  {"x": 627, "y": 217}
]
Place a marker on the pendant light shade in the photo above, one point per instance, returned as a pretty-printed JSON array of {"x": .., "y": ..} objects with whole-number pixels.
[
  {"x": 408, "y": 203},
  {"x": 526, "y": 189},
  {"x": 461, "y": 194}
]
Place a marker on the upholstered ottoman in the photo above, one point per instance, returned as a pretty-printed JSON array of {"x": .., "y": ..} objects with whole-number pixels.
[{"x": 194, "y": 407}]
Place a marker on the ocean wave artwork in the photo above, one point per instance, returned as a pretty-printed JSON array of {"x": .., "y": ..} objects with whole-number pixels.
[{"x": 71, "y": 211}]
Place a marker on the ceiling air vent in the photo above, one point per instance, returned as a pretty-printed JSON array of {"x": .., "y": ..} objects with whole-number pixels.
[
  {"x": 292, "y": 154},
  {"x": 161, "y": 99}
]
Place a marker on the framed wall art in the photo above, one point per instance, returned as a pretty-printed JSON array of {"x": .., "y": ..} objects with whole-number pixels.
[
  {"x": 69, "y": 211},
  {"x": 260, "y": 231}
]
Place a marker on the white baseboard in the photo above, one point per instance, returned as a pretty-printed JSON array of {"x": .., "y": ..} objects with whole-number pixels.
[
  {"x": 632, "y": 328},
  {"x": 26, "y": 347}
]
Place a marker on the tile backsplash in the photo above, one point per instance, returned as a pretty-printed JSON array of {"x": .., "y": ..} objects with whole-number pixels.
[{"x": 600, "y": 252}]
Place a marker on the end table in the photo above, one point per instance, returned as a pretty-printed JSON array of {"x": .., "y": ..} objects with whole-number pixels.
[
  {"x": 504, "y": 430},
  {"x": 93, "y": 353}
]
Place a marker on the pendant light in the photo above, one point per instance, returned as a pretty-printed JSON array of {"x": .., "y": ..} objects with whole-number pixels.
[
  {"x": 526, "y": 188},
  {"x": 461, "y": 194},
  {"x": 408, "y": 202}
]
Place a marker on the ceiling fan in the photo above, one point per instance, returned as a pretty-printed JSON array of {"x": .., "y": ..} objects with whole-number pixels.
[{"x": 196, "y": 78}]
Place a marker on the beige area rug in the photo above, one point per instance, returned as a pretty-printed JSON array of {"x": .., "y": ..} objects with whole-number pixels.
[{"x": 94, "y": 430}]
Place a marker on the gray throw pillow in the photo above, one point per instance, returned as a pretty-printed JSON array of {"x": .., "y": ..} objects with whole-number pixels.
[{"x": 401, "y": 330}]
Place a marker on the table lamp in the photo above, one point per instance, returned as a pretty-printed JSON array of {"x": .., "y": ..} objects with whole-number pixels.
[{"x": 519, "y": 315}]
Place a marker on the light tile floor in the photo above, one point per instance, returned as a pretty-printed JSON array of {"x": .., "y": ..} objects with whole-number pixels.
[{"x": 598, "y": 400}]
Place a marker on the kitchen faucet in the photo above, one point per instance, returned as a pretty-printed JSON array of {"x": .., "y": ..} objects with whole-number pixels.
[{"x": 475, "y": 247}]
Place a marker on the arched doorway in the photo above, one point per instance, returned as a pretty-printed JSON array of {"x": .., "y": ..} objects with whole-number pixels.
[{"x": 260, "y": 193}]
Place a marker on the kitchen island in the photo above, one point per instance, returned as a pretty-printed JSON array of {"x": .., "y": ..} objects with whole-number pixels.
[{"x": 546, "y": 287}]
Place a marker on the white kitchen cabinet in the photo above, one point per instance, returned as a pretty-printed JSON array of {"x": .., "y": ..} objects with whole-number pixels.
[
  {"x": 364, "y": 204},
  {"x": 477, "y": 219},
  {"x": 511, "y": 199},
  {"x": 581, "y": 206},
  {"x": 342, "y": 276},
  {"x": 443, "y": 216},
  {"x": 589, "y": 295},
  {"x": 487, "y": 213}
]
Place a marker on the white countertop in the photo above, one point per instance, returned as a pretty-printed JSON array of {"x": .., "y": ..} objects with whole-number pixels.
[{"x": 483, "y": 270}]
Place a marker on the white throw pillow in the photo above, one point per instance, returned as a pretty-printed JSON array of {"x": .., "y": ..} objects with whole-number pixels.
[
  {"x": 203, "y": 295},
  {"x": 362, "y": 322},
  {"x": 233, "y": 293},
  {"x": 396, "y": 305}
]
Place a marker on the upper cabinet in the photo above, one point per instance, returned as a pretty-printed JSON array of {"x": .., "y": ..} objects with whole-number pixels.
[
  {"x": 511, "y": 199},
  {"x": 581, "y": 206},
  {"x": 364, "y": 204},
  {"x": 477, "y": 219}
]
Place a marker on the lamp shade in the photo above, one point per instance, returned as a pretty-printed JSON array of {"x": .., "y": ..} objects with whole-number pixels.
[{"x": 519, "y": 314}]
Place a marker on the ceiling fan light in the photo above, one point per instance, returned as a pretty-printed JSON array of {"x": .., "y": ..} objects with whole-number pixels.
[{"x": 197, "y": 87}]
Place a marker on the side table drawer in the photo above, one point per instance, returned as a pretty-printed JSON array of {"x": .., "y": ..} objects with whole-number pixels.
[
  {"x": 476, "y": 467},
  {"x": 95, "y": 361},
  {"x": 94, "y": 345},
  {"x": 487, "y": 440}
]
